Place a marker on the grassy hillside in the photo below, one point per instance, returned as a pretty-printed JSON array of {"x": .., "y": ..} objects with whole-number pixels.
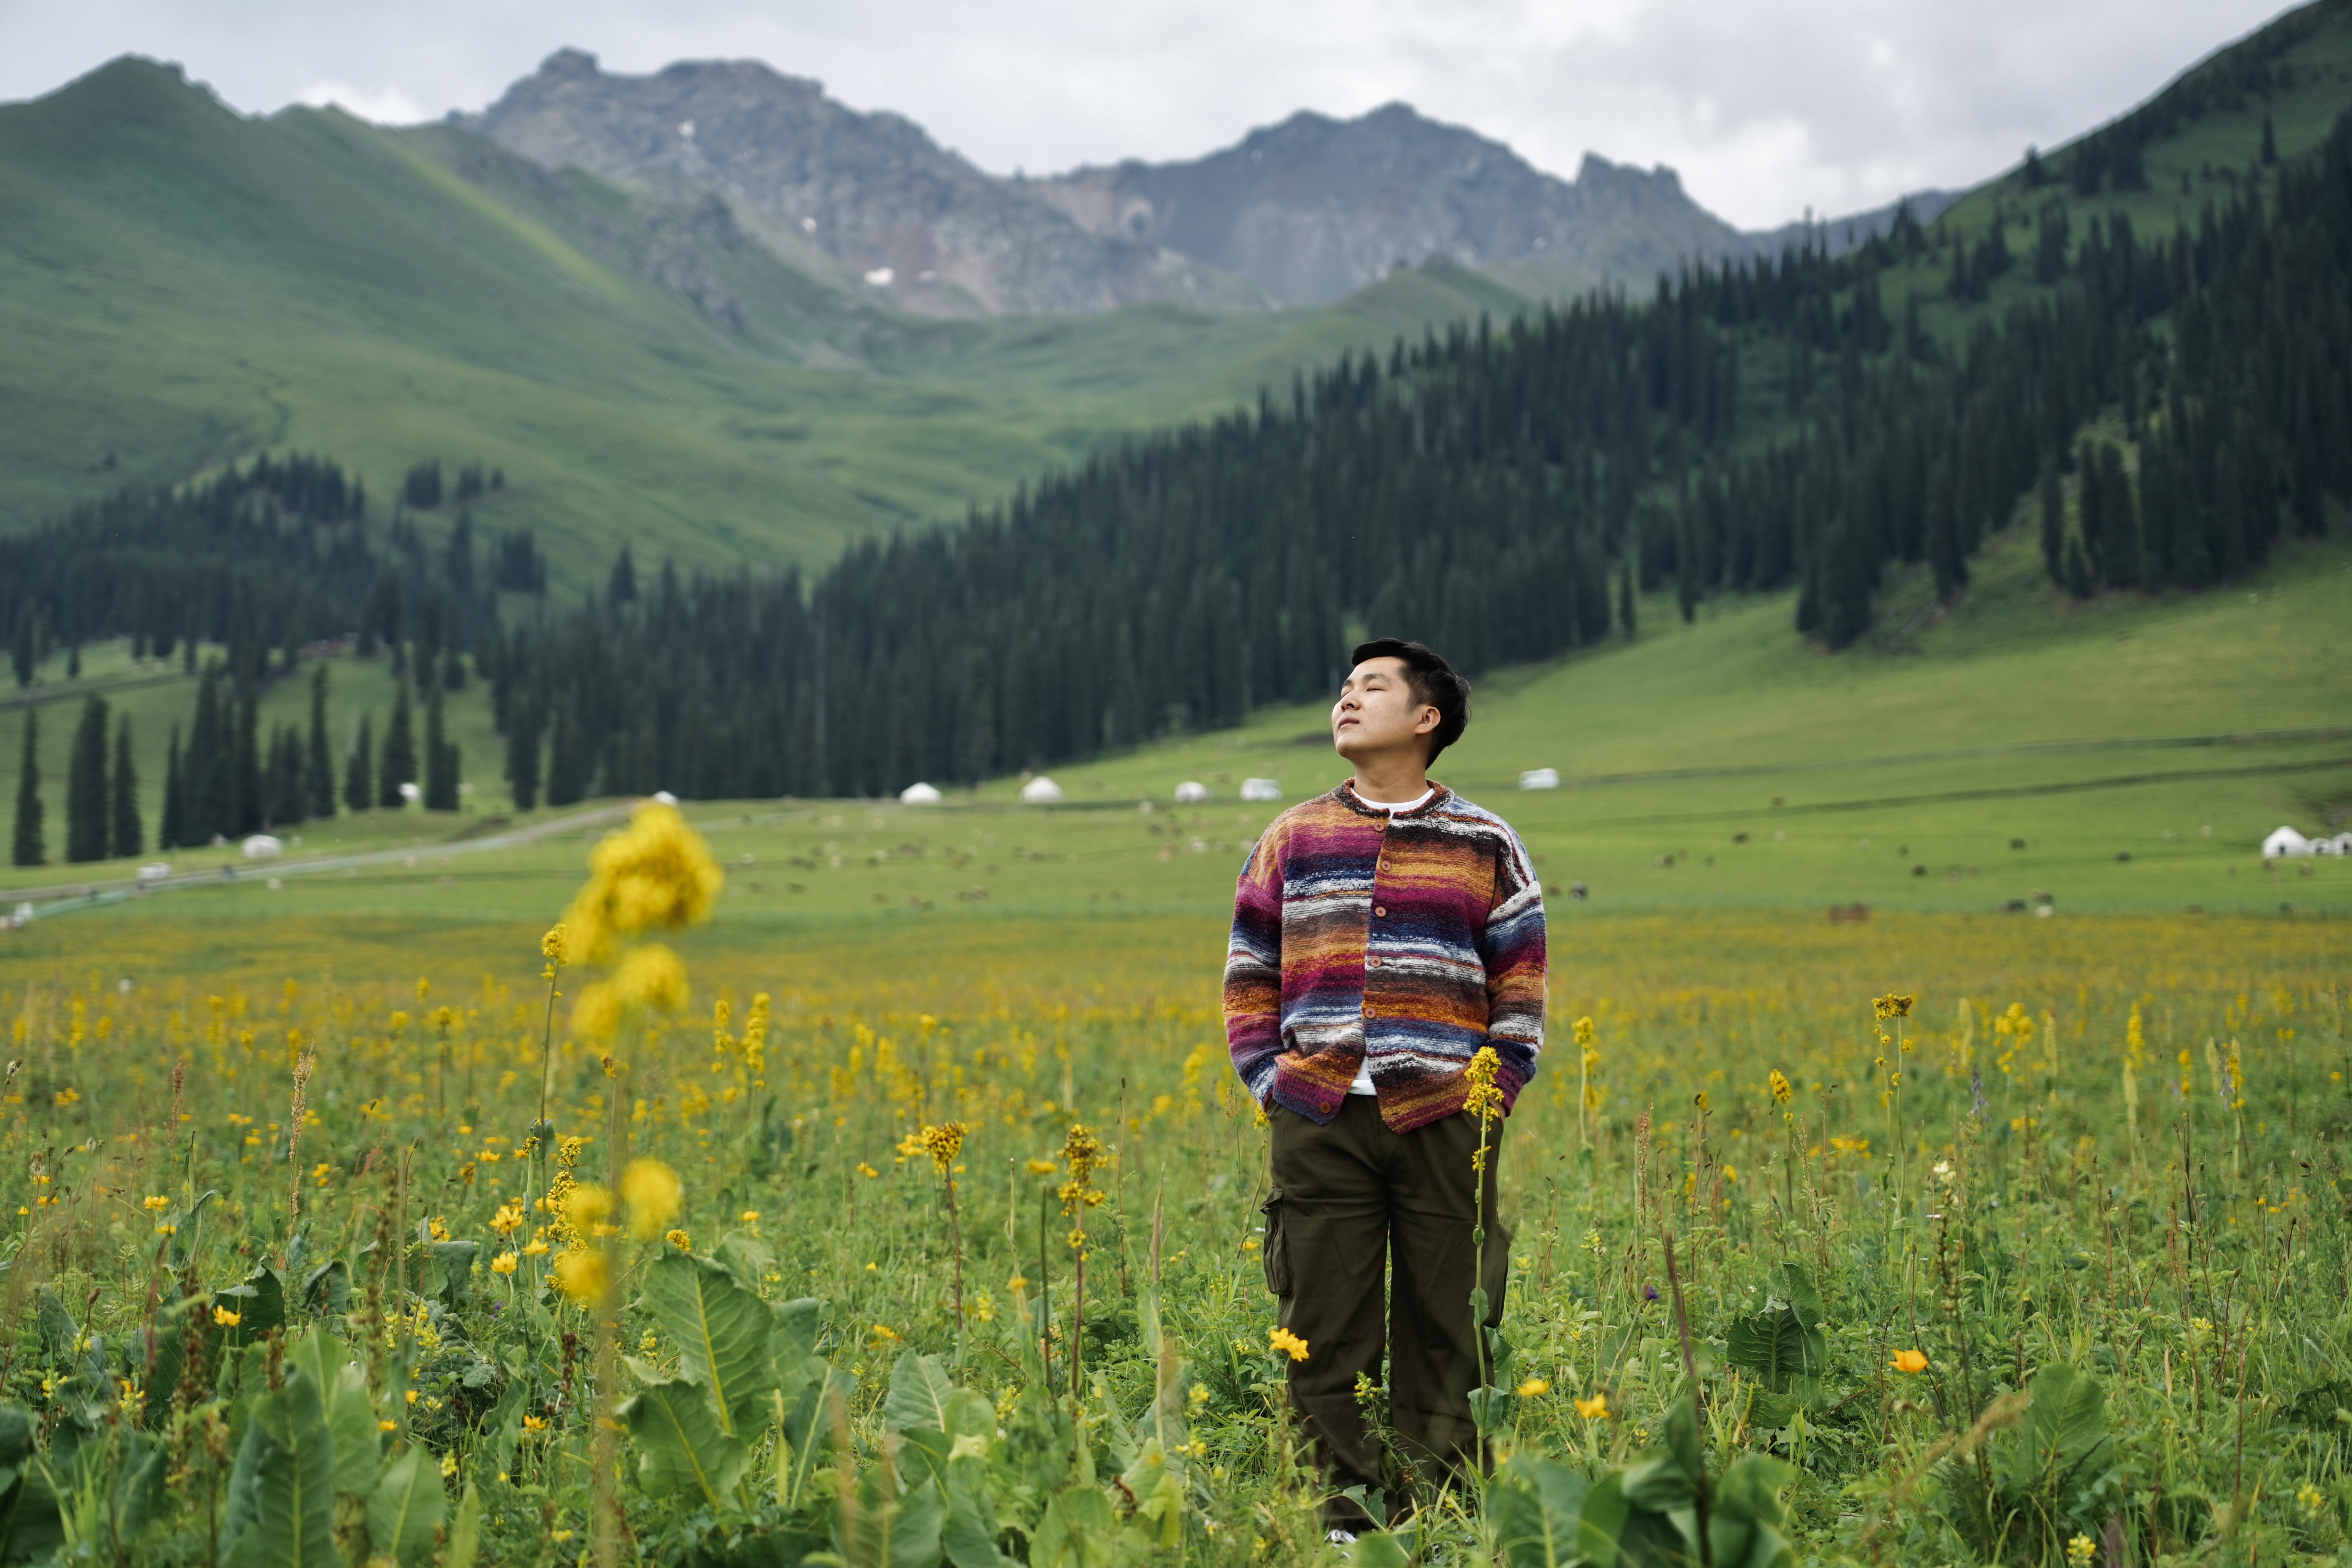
[
  {"x": 1715, "y": 763},
  {"x": 179, "y": 284}
]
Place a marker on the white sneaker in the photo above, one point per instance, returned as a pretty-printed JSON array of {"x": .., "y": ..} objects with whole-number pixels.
[{"x": 1341, "y": 1538}]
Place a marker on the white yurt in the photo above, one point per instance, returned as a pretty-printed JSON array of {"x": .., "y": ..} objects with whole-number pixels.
[
  {"x": 1261, "y": 789},
  {"x": 1192, "y": 791},
  {"x": 1539, "y": 778},
  {"x": 919, "y": 793},
  {"x": 1041, "y": 791},
  {"x": 2283, "y": 842},
  {"x": 263, "y": 846}
]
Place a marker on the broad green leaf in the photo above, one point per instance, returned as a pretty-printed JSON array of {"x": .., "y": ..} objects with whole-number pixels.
[
  {"x": 722, "y": 1332},
  {"x": 281, "y": 1493},
  {"x": 747, "y": 1258},
  {"x": 1078, "y": 1532},
  {"x": 968, "y": 1535},
  {"x": 2063, "y": 1434},
  {"x": 1744, "y": 1519},
  {"x": 455, "y": 1262},
  {"x": 350, "y": 1414},
  {"x": 139, "y": 1492},
  {"x": 970, "y": 1415},
  {"x": 1803, "y": 1295},
  {"x": 260, "y": 1302},
  {"x": 30, "y": 1524},
  {"x": 328, "y": 1288},
  {"x": 1779, "y": 1346},
  {"x": 162, "y": 1346},
  {"x": 465, "y": 1532},
  {"x": 407, "y": 1508},
  {"x": 683, "y": 1447},
  {"x": 920, "y": 1392},
  {"x": 1537, "y": 1505},
  {"x": 59, "y": 1332}
]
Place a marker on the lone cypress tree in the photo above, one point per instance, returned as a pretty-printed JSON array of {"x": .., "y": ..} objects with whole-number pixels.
[
  {"x": 86, "y": 792},
  {"x": 440, "y": 757},
  {"x": 172, "y": 830},
  {"x": 397, "y": 766},
  {"x": 359, "y": 774},
  {"x": 29, "y": 849},
  {"x": 318, "y": 762},
  {"x": 126, "y": 834}
]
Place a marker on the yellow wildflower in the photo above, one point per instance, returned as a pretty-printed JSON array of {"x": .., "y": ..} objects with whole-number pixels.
[
  {"x": 504, "y": 1263},
  {"x": 1289, "y": 1343},
  {"x": 224, "y": 1318},
  {"x": 1909, "y": 1361},
  {"x": 1533, "y": 1388},
  {"x": 653, "y": 1194},
  {"x": 1781, "y": 1089},
  {"x": 1595, "y": 1408},
  {"x": 651, "y": 977},
  {"x": 583, "y": 1275},
  {"x": 656, "y": 874},
  {"x": 680, "y": 1240}
]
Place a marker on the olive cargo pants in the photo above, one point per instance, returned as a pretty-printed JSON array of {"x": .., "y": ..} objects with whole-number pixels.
[{"x": 1351, "y": 1202}]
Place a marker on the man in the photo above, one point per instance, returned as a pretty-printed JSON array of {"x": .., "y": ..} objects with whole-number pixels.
[{"x": 1383, "y": 934}]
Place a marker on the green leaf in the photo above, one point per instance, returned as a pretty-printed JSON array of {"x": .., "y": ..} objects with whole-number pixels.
[
  {"x": 466, "y": 1533},
  {"x": 683, "y": 1446},
  {"x": 281, "y": 1492},
  {"x": 260, "y": 1302},
  {"x": 350, "y": 1414},
  {"x": 1744, "y": 1518},
  {"x": 722, "y": 1332},
  {"x": 1378, "y": 1549},
  {"x": 30, "y": 1524},
  {"x": 2061, "y": 1438},
  {"x": 455, "y": 1262},
  {"x": 59, "y": 1332},
  {"x": 1779, "y": 1346},
  {"x": 920, "y": 1394},
  {"x": 328, "y": 1288},
  {"x": 1804, "y": 1298},
  {"x": 1537, "y": 1505},
  {"x": 1078, "y": 1532},
  {"x": 968, "y": 1535},
  {"x": 407, "y": 1508}
]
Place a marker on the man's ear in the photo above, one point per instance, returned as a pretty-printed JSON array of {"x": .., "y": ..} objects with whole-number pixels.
[{"x": 1428, "y": 718}]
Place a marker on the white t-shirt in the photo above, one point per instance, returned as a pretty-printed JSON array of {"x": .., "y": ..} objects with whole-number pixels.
[{"x": 1363, "y": 1084}]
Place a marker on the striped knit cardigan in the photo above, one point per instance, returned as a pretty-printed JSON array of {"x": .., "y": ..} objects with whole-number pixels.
[{"x": 1411, "y": 941}]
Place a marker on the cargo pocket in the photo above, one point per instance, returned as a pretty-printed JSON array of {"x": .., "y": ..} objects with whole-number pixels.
[
  {"x": 1497, "y": 1272},
  {"x": 1276, "y": 1252}
]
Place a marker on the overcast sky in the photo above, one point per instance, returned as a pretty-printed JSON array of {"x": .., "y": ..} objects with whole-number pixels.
[{"x": 1767, "y": 107}]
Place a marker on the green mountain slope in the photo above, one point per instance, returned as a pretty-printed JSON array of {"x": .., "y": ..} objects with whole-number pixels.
[{"x": 179, "y": 284}]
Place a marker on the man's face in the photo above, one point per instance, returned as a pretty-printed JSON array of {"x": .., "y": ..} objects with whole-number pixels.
[{"x": 1377, "y": 713}]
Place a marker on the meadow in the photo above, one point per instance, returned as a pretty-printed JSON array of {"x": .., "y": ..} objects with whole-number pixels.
[{"x": 2039, "y": 1258}]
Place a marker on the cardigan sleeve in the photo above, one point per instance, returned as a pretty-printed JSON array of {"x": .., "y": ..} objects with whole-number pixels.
[
  {"x": 1254, "y": 968},
  {"x": 1511, "y": 947}
]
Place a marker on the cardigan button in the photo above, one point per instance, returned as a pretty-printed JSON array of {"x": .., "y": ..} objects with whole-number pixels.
[
  {"x": 1381, "y": 910},
  {"x": 1371, "y": 963}
]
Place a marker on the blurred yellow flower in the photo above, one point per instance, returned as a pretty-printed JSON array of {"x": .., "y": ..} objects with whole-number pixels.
[
  {"x": 1595, "y": 1408},
  {"x": 652, "y": 1191},
  {"x": 226, "y": 1319},
  {"x": 596, "y": 1011},
  {"x": 652, "y": 978},
  {"x": 656, "y": 874},
  {"x": 586, "y": 1205},
  {"x": 583, "y": 1275},
  {"x": 1909, "y": 1361},
  {"x": 1535, "y": 1387},
  {"x": 1289, "y": 1343}
]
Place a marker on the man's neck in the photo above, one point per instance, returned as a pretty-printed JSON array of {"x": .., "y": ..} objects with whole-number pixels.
[{"x": 1392, "y": 781}]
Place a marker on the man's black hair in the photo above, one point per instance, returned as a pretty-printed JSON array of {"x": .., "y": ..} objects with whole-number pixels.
[{"x": 1431, "y": 679}]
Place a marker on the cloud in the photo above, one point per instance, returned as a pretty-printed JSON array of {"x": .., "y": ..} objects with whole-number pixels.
[
  {"x": 384, "y": 105},
  {"x": 1766, "y": 107}
]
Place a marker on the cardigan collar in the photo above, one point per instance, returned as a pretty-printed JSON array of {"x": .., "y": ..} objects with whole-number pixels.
[{"x": 1346, "y": 794}]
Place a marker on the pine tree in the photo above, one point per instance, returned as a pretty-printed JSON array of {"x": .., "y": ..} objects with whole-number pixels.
[
  {"x": 172, "y": 830},
  {"x": 2053, "y": 520},
  {"x": 126, "y": 834},
  {"x": 2270, "y": 144},
  {"x": 359, "y": 776},
  {"x": 567, "y": 762},
  {"x": 440, "y": 757},
  {"x": 252, "y": 799},
  {"x": 1626, "y": 621},
  {"x": 86, "y": 794},
  {"x": 318, "y": 760},
  {"x": 2078, "y": 571},
  {"x": 207, "y": 789},
  {"x": 622, "y": 588},
  {"x": 24, "y": 650},
  {"x": 397, "y": 765},
  {"x": 2122, "y": 565},
  {"x": 522, "y": 754},
  {"x": 30, "y": 850}
]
